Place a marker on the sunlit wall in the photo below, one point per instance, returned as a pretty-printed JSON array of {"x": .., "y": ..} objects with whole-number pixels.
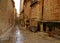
[{"x": 21, "y": 5}]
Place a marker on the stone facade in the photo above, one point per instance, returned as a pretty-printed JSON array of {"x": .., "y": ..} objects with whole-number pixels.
[
  {"x": 36, "y": 12},
  {"x": 25, "y": 12},
  {"x": 6, "y": 15},
  {"x": 51, "y": 14},
  {"x": 32, "y": 12},
  {"x": 42, "y": 12},
  {"x": 51, "y": 10}
]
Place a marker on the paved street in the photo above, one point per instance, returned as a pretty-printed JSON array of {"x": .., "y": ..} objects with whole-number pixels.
[{"x": 23, "y": 36}]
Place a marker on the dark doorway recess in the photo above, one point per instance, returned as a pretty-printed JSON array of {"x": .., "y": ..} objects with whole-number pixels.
[
  {"x": 44, "y": 27},
  {"x": 38, "y": 26}
]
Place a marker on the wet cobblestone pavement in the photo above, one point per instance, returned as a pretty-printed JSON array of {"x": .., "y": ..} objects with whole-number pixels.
[{"x": 24, "y": 36}]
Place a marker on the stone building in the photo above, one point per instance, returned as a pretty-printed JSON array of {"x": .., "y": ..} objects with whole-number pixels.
[
  {"x": 36, "y": 13},
  {"x": 25, "y": 11},
  {"x": 51, "y": 15},
  {"x": 6, "y": 17},
  {"x": 43, "y": 14},
  {"x": 32, "y": 12},
  {"x": 51, "y": 9}
]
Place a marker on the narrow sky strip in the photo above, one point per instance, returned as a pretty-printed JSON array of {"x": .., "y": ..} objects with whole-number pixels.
[{"x": 17, "y": 5}]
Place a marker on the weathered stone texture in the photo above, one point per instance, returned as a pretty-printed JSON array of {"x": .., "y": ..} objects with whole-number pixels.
[
  {"x": 51, "y": 10},
  {"x": 27, "y": 9},
  {"x": 6, "y": 15},
  {"x": 36, "y": 13}
]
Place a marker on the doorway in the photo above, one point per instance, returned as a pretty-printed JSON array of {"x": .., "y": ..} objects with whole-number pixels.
[{"x": 44, "y": 27}]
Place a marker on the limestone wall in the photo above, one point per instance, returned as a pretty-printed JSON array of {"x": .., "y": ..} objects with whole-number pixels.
[
  {"x": 27, "y": 9},
  {"x": 27, "y": 12},
  {"x": 36, "y": 13},
  {"x": 51, "y": 10},
  {"x": 6, "y": 15}
]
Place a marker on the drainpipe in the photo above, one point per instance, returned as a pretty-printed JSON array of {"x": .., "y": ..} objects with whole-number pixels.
[
  {"x": 41, "y": 25},
  {"x": 42, "y": 9}
]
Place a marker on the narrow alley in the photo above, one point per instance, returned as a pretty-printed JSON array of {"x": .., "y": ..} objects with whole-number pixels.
[{"x": 29, "y": 21}]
